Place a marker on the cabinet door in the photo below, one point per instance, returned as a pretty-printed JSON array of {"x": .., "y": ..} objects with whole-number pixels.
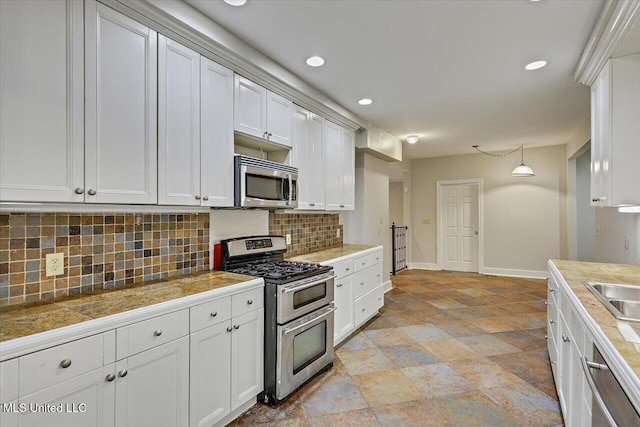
[
  {"x": 316, "y": 154},
  {"x": 343, "y": 316},
  {"x": 216, "y": 112},
  {"x": 210, "y": 376},
  {"x": 178, "y": 124},
  {"x": 250, "y": 107},
  {"x": 601, "y": 138},
  {"x": 333, "y": 165},
  {"x": 302, "y": 157},
  {"x": 348, "y": 170},
  {"x": 87, "y": 401},
  {"x": 247, "y": 364},
  {"x": 279, "y": 119},
  {"x": 42, "y": 101},
  {"x": 121, "y": 108},
  {"x": 155, "y": 389}
]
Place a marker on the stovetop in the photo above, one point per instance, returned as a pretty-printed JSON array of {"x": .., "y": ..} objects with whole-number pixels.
[{"x": 280, "y": 271}]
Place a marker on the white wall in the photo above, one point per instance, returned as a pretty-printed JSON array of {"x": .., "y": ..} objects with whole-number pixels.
[
  {"x": 610, "y": 239},
  {"x": 585, "y": 213},
  {"x": 369, "y": 222},
  {"x": 524, "y": 218},
  {"x": 396, "y": 213}
]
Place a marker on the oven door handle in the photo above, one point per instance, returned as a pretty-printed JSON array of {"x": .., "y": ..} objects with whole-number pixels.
[
  {"x": 586, "y": 365},
  {"x": 287, "y": 331},
  {"x": 291, "y": 289}
]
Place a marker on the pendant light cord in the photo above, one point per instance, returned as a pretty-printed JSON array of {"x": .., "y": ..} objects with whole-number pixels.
[{"x": 501, "y": 155}]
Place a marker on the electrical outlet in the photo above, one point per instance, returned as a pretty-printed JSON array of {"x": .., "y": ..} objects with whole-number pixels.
[
  {"x": 626, "y": 242},
  {"x": 55, "y": 264},
  {"x": 288, "y": 239},
  {"x": 338, "y": 233}
]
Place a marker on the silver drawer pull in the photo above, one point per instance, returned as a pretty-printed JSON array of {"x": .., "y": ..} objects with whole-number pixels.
[
  {"x": 110, "y": 378},
  {"x": 123, "y": 373},
  {"x": 339, "y": 285},
  {"x": 197, "y": 197},
  {"x": 205, "y": 198},
  {"x": 229, "y": 329},
  {"x": 364, "y": 263},
  {"x": 347, "y": 269},
  {"x": 236, "y": 327},
  {"x": 565, "y": 338},
  {"x": 92, "y": 192},
  {"x": 551, "y": 290},
  {"x": 65, "y": 363},
  {"x": 361, "y": 283},
  {"x": 551, "y": 321},
  {"x": 79, "y": 190},
  {"x": 214, "y": 314},
  {"x": 364, "y": 309},
  {"x": 158, "y": 332},
  {"x": 250, "y": 302}
]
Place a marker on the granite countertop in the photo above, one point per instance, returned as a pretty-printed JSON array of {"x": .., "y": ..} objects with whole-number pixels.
[
  {"x": 26, "y": 319},
  {"x": 620, "y": 333},
  {"x": 325, "y": 255}
]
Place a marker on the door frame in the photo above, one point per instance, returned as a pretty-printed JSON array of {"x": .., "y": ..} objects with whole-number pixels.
[{"x": 440, "y": 215}]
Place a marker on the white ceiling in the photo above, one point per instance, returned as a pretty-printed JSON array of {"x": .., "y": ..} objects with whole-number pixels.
[{"x": 450, "y": 71}]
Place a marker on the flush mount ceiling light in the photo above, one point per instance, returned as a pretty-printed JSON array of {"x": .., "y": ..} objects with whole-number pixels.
[
  {"x": 412, "y": 139},
  {"x": 535, "y": 65},
  {"x": 315, "y": 61},
  {"x": 521, "y": 170},
  {"x": 365, "y": 101},
  {"x": 236, "y": 2}
]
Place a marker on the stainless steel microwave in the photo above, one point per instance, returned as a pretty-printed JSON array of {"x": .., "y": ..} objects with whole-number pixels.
[{"x": 265, "y": 184}]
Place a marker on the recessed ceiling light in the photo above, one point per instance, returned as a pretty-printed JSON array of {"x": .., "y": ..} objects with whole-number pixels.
[
  {"x": 535, "y": 65},
  {"x": 235, "y": 2},
  {"x": 412, "y": 139},
  {"x": 315, "y": 61},
  {"x": 365, "y": 101}
]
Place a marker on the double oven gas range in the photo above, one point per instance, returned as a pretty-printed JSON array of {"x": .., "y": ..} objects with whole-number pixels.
[{"x": 298, "y": 327}]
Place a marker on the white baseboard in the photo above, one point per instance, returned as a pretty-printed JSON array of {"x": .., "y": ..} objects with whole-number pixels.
[
  {"x": 508, "y": 272},
  {"x": 423, "y": 266},
  {"x": 386, "y": 286}
]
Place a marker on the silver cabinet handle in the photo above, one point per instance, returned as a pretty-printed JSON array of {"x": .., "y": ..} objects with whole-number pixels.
[
  {"x": 197, "y": 197},
  {"x": 249, "y": 302},
  {"x": 364, "y": 309},
  {"x": 123, "y": 373},
  {"x": 229, "y": 329},
  {"x": 158, "y": 332},
  {"x": 79, "y": 190},
  {"x": 565, "y": 338},
  {"x": 361, "y": 283},
  {"x": 269, "y": 135},
  {"x": 205, "y": 198},
  {"x": 342, "y": 206},
  {"x": 551, "y": 321},
  {"x": 347, "y": 269},
  {"x": 65, "y": 363},
  {"x": 551, "y": 290},
  {"x": 545, "y": 336},
  {"x": 364, "y": 263},
  {"x": 546, "y": 303},
  {"x": 594, "y": 388},
  {"x": 214, "y": 314},
  {"x": 339, "y": 285},
  {"x": 92, "y": 192},
  {"x": 264, "y": 134},
  {"x": 312, "y": 204},
  {"x": 236, "y": 327},
  {"x": 110, "y": 378}
]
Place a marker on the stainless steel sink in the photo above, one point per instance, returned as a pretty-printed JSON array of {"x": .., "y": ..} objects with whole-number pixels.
[{"x": 622, "y": 300}]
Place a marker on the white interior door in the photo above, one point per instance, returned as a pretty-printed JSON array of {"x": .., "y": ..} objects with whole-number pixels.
[{"x": 459, "y": 213}]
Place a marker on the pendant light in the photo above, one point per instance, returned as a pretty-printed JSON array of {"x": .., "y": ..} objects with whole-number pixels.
[{"x": 522, "y": 170}]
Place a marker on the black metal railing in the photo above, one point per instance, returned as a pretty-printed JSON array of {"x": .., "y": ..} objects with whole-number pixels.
[{"x": 398, "y": 248}]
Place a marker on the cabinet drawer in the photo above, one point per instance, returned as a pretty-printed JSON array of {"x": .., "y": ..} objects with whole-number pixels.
[
  {"x": 210, "y": 313},
  {"x": 150, "y": 333},
  {"x": 247, "y": 301},
  {"x": 9, "y": 380},
  {"x": 367, "y": 305},
  {"x": 365, "y": 261},
  {"x": 47, "y": 367},
  {"x": 343, "y": 268},
  {"x": 366, "y": 280}
]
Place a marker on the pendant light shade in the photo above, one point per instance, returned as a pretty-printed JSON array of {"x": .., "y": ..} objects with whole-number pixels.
[{"x": 522, "y": 170}]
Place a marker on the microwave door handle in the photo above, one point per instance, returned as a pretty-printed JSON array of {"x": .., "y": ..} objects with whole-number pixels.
[
  {"x": 290, "y": 189},
  {"x": 586, "y": 365}
]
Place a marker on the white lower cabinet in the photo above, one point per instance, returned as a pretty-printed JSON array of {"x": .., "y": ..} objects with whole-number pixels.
[
  {"x": 368, "y": 305},
  {"x": 152, "y": 387},
  {"x": 198, "y": 366},
  {"x": 343, "y": 316}
]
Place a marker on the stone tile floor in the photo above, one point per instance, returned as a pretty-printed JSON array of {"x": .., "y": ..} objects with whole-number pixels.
[{"x": 447, "y": 349}]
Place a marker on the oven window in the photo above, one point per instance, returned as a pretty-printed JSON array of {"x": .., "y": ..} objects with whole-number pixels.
[
  {"x": 308, "y": 346},
  {"x": 261, "y": 187},
  {"x": 309, "y": 295}
]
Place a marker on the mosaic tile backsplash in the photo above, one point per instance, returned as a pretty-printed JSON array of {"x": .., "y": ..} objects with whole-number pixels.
[
  {"x": 309, "y": 232},
  {"x": 101, "y": 251}
]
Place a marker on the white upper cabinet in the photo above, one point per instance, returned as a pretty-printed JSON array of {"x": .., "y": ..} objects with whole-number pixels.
[
  {"x": 340, "y": 167},
  {"x": 42, "y": 101},
  {"x": 261, "y": 113},
  {"x": 178, "y": 124},
  {"x": 615, "y": 103},
  {"x": 216, "y": 113},
  {"x": 121, "y": 108},
  {"x": 309, "y": 153}
]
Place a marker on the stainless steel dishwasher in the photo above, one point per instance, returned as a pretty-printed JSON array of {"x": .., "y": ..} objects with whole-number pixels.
[{"x": 611, "y": 406}]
